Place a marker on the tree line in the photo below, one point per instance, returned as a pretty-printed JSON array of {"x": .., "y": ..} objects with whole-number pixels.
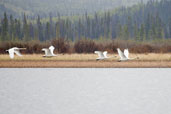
[
  {"x": 33, "y": 8},
  {"x": 141, "y": 22}
]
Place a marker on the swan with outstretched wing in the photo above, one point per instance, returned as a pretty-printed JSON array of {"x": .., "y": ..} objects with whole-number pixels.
[
  {"x": 14, "y": 50},
  {"x": 102, "y": 55},
  {"x": 49, "y": 51},
  {"x": 124, "y": 56}
]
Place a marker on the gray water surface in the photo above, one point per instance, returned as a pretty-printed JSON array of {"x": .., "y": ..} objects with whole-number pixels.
[{"x": 85, "y": 91}]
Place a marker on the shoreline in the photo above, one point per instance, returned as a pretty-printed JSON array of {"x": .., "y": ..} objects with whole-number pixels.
[
  {"x": 151, "y": 60},
  {"x": 83, "y": 64}
]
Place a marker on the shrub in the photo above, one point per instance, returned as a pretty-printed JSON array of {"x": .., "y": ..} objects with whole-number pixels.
[
  {"x": 31, "y": 47},
  {"x": 61, "y": 45},
  {"x": 85, "y": 46},
  {"x": 111, "y": 47},
  {"x": 88, "y": 46},
  {"x": 142, "y": 48}
]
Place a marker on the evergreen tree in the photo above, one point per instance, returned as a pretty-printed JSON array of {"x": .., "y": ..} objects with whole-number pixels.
[
  {"x": 159, "y": 31},
  {"x": 142, "y": 33},
  {"x": 5, "y": 28},
  {"x": 0, "y": 30},
  {"x": 40, "y": 29},
  {"x": 25, "y": 29},
  {"x": 125, "y": 32},
  {"x": 120, "y": 32},
  {"x": 31, "y": 31},
  {"x": 151, "y": 21},
  {"x": 136, "y": 32},
  {"x": 52, "y": 28},
  {"x": 11, "y": 28},
  {"x": 129, "y": 25},
  {"x": 148, "y": 26},
  {"x": 47, "y": 31},
  {"x": 18, "y": 29},
  {"x": 170, "y": 28}
]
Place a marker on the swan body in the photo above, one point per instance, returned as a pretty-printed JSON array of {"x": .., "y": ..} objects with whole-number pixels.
[
  {"x": 102, "y": 55},
  {"x": 124, "y": 56},
  {"x": 49, "y": 51},
  {"x": 14, "y": 50}
]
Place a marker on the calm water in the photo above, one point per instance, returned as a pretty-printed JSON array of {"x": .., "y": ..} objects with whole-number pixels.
[{"x": 85, "y": 91}]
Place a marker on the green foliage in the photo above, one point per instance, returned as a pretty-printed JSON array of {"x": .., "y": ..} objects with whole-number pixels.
[
  {"x": 5, "y": 28},
  {"x": 142, "y": 22},
  {"x": 65, "y": 7},
  {"x": 89, "y": 46}
]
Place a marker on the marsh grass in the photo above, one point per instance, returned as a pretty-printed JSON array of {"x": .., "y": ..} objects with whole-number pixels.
[
  {"x": 89, "y": 46},
  {"x": 87, "y": 57},
  {"x": 151, "y": 60}
]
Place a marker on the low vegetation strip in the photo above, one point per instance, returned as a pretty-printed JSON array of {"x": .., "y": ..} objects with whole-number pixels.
[
  {"x": 89, "y": 46},
  {"x": 151, "y": 60},
  {"x": 84, "y": 64},
  {"x": 86, "y": 57}
]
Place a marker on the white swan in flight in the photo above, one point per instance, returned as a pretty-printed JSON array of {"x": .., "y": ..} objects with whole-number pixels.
[
  {"x": 124, "y": 56},
  {"x": 14, "y": 50},
  {"x": 49, "y": 51},
  {"x": 102, "y": 55}
]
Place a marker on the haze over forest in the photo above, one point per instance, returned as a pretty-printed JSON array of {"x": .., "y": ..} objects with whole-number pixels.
[
  {"x": 64, "y": 7},
  {"x": 141, "y": 22}
]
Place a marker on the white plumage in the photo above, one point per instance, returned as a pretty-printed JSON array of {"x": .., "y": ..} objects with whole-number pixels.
[
  {"x": 49, "y": 51},
  {"x": 126, "y": 53},
  {"x": 121, "y": 55},
  {"x": 14, "y": 50},
  {"x": 102, "y": 55},
  {"x": 124, "y": 56}
]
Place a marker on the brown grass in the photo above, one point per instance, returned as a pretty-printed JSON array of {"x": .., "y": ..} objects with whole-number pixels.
[
  {"x": 150, "y": 60},
  {"x": 84, "y": 64},
  {"x": 89, "y": 46}
]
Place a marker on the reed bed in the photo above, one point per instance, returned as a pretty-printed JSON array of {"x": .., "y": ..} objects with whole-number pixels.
[
  {"x": 87, "y": 57},
  {"x": 89, "y": 46}
]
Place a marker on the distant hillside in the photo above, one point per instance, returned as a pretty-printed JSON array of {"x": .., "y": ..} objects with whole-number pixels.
[
  {"x": 64, "y": 7},
  {"x": 142, "y": 22}
]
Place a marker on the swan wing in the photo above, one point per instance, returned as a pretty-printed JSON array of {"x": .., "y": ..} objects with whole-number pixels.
[
  {"x": 100, "y": 54},
  {"x": 17, "y": 51},
  {"x": 51, "y": 48},
  {"x": 11, "y": 53},
  {"x": 21, "y": 48},
  {"x": 126, "y": 53},
  {"x": 47, "y": 52},
  {"x": 121, "y": 54},
  {"x": 105, "y": 54}
]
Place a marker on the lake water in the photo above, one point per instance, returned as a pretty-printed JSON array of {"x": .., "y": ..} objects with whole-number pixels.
[{"x": 85, "y": 91}]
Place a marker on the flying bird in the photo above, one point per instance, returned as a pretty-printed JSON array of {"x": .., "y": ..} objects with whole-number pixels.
[
  {"x": 14, "y": 50},
  {"x": 102, "y": 55},
  {"x": 124, "y": 56},
  {"x": 49, "y": 51}
]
